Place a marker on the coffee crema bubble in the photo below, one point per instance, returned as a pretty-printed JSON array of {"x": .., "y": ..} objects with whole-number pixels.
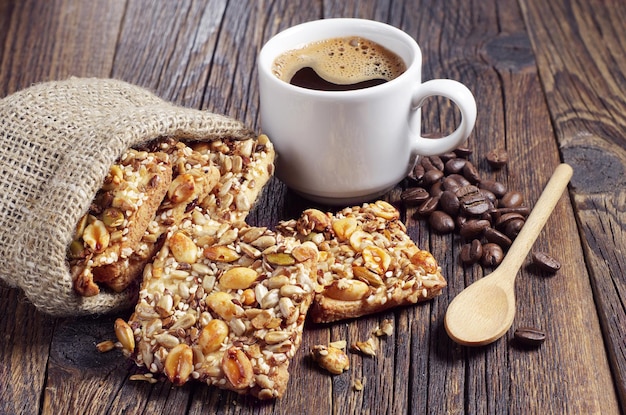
[{"x": 345, "y": 63}]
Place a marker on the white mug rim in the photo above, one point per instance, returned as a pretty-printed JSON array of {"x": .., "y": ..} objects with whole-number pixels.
[{"x": 272, "y": 49}]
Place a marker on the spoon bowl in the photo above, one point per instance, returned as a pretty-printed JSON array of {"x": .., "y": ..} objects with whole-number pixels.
[{"x": 485, "y": 310}]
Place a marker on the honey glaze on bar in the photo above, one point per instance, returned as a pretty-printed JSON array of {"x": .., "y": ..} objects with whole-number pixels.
[{"x": 339, "y": 64}]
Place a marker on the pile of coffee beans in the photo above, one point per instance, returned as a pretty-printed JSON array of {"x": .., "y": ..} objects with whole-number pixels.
[{"x": 450, "y": 193}]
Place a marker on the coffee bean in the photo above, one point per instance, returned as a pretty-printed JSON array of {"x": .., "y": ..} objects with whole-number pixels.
[
  {"x": 427, "y": 163},
  {"x": 513, "y": 228},
  {"x": 529, "y": 336},
  {"x": 511, "y": 199},
  {"x": 497, "y": 158},
  {"x": 441, "y": 222},
  {"x": 522, "y": 210},
  {"x": 432, "y": 176},
  {"x": 492, "y": 255},
  {"x": 447, "y": 156},
  {"x": 497, "y": 188},
  {"x": 503, "y": 220},
  {"x": 418, "y": 172},
  {"x": 428, "y": 206},
  {"x": 486, "y": 216},
  {"x": 450, "y": 203},
  {"x": 414, "y": 195},
  {"x": 471, "y": 252},
  {"x": 472, "y": 201},
  {"x": 450, "y": 193},
  {"x": 462, "y": 181},
  {"x": 454, "y": 166},
  {"x": 493, "y": 200},
  {"x": 450, "y": 184},
  {"x": 497, "y": 237},
  {"x": 436, "y": 162},
  {"x": 473, "y": 228},
  {"x": 463, "y": 151},
  {"x": 546, "y": 262},
  {"x": 436, "y": 189},
  {"x": 471, "y": 173},
  {"x": 460, "y": 220}
]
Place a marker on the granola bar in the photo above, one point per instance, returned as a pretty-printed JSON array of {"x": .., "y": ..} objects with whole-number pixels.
[
  {"x": 194, "y": 177},
  {"x": 367, "y": 262},
  {"x": 245, "y": 167},
  {"x": 118, "y": 217},
  {"x": 223, "y": 304},
  {"x": 223, "y": 176}
]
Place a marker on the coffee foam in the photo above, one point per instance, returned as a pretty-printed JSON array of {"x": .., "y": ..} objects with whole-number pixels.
[{"x": 341, "y": 61}]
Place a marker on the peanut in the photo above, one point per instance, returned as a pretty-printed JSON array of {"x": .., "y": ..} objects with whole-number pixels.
[
  {"x": 179, "y": 364},
  {"x": 212, "y": 336},
  {"x": 182, "y": 188},
  {"x": 344, "y": 227},
  {"x": 183, "y": 248},
  {"x": 220, "y": 253},
  {"x": 222, "y": 304},
  {"x": 347, "y": 290},
  {"x": 237, "y": 368},
  {"x": 238, "y": 278}
]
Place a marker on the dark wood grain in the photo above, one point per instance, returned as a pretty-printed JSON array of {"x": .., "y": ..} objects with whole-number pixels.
[
  {"x": 584, "y": 86},
  {"x": 549, "y": 79}
]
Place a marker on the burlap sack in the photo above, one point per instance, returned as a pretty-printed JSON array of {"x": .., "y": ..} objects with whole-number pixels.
[{"x": 57, "y": 143}]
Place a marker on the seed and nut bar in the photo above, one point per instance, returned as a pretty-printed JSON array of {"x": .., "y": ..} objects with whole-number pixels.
[
  {"x": 223, "y": 304},
  {"x": 194, "y": 176},
  {"x": 119, "y": 215},
  {"x": 245, "y": 167},
  {"x": 367, "y": 262},
  {"x": 224, "y": 176}
]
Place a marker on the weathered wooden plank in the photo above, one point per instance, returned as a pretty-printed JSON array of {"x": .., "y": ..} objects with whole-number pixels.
[
  {"x": 77, "y": 371},
  {"x": 168, "y": 47},
  {"x": 24, "y": 346},
  {"x": 584, "y": 85},
  {"x": 449, "y": 378},
  {"x": 57, "y": 39},
  {"x": 6, "y": 12}
]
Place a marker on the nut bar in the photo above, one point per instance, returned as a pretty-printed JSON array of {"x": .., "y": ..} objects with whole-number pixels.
[
  {"x": 367, "y": 262},
  {"x": 245, "y": 167},
  {"x": 225, "y": 175},
  {"x": 119, "y": 215},
  {"x": 223, "y": 304},
  {"x": 194, "y": 177}
]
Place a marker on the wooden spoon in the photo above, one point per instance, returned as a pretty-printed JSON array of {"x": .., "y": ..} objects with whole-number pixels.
[{"x": 484, "y": 311}]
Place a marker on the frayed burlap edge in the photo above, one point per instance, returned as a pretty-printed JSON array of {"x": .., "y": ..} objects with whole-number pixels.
[{"x": 57, "y": 143}]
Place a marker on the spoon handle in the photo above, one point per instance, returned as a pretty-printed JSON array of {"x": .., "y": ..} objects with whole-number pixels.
[{"x": 537, "y": 219}]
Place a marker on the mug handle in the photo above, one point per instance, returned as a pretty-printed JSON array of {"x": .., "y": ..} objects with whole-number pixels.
[{"x": 464, "y": 100}]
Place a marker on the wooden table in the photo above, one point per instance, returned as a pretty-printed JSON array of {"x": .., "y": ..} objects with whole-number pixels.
[{"x": 550, "y": 81}]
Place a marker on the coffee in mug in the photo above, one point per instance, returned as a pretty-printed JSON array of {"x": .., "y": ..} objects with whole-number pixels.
[
  {"x": 342, "y": 147},
  {"x": 339, "y": 64}
]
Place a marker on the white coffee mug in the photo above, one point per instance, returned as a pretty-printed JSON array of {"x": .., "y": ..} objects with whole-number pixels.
[{"x": 343, "y": 147}]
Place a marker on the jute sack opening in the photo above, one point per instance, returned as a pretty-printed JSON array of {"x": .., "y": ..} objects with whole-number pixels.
[{"x": 57, "y": 143}]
